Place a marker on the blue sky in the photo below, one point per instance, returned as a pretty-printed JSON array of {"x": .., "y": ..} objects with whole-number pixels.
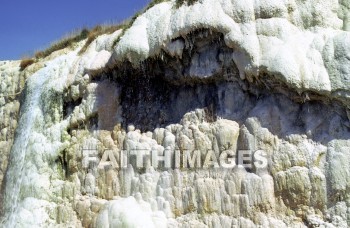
[{"x": 27, "y": 26}]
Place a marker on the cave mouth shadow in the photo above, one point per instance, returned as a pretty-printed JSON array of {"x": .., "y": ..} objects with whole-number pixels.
[{"x": 156, "y": 103}]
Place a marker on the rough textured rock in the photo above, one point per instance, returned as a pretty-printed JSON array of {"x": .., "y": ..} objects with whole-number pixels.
[
  {"x": 11, "y": 84},
  {"x": 215, "y": 76}
]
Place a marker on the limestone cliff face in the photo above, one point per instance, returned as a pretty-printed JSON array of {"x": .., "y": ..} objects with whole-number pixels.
[{"x": 271, "y": 78}]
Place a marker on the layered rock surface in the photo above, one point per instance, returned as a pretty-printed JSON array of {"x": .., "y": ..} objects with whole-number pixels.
[{"x": 232, "y": 76}]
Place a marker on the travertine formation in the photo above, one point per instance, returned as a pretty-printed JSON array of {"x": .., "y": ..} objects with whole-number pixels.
[
  {"x": 11, "y": 84},
  {"x": 216, "y": 76}
]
